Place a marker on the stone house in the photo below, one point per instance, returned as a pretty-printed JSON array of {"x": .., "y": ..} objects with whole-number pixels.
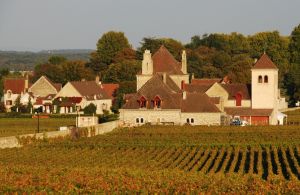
[
  {"x": 166, "y": 95},
  {"x": 76, "y": 95}
]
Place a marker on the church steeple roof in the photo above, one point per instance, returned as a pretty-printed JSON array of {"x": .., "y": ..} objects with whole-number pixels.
[{"x": 264, "y": 62}]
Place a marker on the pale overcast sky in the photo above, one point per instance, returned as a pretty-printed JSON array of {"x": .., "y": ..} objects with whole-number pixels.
[{"x": 78, "y": 24}]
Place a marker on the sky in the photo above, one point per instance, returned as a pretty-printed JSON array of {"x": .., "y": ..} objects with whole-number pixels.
[{"x": 35, "y": 25}]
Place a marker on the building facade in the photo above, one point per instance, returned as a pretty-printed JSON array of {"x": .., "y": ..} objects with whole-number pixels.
[{"x": 165, "y": 95}]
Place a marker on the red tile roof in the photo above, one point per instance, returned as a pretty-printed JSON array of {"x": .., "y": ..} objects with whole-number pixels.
[
  {"x": 195, "y": 88},
  {"x": 90, "y": 89},
  {"x": 264, "y": 63},
  {"x": 16, "y": 85},
  {"x": 206, "y": 81},
  {"x": 235, "y": 88},
  {"x": 196, "y": 102},
  {"x": 248, "y": 111},
  {"x": 163, "y": 61},
  {"x": 110, "y": 88}
]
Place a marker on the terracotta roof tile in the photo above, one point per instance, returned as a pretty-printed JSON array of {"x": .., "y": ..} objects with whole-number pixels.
[
  {"x": 16, "y": 85},
  {"x": 89, "y": 89},
  {"x": 248, "y": 111},
  {"x": 233, "y": 89},
  {"x": 196, "y": 102},
  {"x": 195, "y": 88},
  {"x": 264, "y": 63},
  {"x": 163, "y": 61},
  {"x": 206, "y": 81},
  {"x": 110, "y": 88}
]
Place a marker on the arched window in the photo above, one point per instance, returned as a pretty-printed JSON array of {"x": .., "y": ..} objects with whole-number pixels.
[
  {"x": 157, "y": 102},
  {"x": 9, "y": 94},
  {"x": 182, "y": 84},
  {"x": 266, "y": 79},
  {"x": 260, "y": 79},
  {"x": 238, "y": 99},
  {"x": 143, "y": 102}
]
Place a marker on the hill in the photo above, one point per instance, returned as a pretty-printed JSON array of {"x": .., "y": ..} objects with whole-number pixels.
[
  {"x": 159, "y": 159},
  {"x": 19, "y": 60}
]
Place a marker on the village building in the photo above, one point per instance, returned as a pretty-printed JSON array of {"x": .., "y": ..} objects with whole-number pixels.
[
  {"x": 166, "y": 96},
  {"x": 15, "y": 88},
  {"x": 43, "y": 91},
  {"x": 76, "y": 95}
]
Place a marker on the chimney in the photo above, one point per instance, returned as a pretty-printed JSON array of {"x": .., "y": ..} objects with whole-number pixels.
[
  {"x": 26, "y": 83},
  {"x": 183, "y": 62},
  {"x": 165, "y": 78},
  {"x": 255, "y": 60},
  {"x": 147, "y": 63},
  {"x": 184, "y": 95},
  {"x": 82, "y": 79}
]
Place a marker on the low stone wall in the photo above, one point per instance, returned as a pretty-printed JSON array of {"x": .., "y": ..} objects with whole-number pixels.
[
  {"x": 9, "y": 142},
  {"x": 12, "y": 142}
]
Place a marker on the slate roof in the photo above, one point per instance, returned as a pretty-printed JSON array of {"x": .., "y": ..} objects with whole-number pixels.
[
  {"x": 16, "y": 85},
  {"x": 264, "y": 63},
  {"x": 90, "y": 90},
  {"x": 248, "y": 111},
  {"x": 163, "y": 61}
]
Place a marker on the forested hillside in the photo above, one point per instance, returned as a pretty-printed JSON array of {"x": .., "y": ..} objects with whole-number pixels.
[{"x": 16, "y": 60}]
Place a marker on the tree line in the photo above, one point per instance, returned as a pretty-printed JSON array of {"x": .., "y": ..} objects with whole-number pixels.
[{"x": 209, "y": 56}]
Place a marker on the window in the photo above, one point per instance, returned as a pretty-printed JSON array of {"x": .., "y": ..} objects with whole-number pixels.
[
  {"x": 238, "y": 99},
  {"x": 266, "y": 79},
  {"x": 259, "y": 79},
  {"x": 9, "y": 102},
  {"x": 190, "y": 120},
  {"x": 139, "y": 120},
  {"x": 157, "y": 102},
  {"x": 143, "y": 102}
]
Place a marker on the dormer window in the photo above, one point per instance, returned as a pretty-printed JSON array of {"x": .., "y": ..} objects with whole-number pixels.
[
  {"x": 157, "y": 102},
  {"x": 238, "y": 99},
  {"x": 266, "y": 79},
  {"x": 143, "y": 102},
  {"x": 260, "y": 80}
]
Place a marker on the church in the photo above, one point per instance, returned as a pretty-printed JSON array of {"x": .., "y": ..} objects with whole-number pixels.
[{"x": 166, "y": 95}]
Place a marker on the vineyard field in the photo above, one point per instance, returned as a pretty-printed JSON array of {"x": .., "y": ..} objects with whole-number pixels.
[
  {"x": 159, "y": 159},
  {"x": 19, "y": 126}
]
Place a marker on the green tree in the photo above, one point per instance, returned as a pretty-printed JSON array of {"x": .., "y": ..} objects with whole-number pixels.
[
  {"x": 57, "y": 60},
  {"x": 90, "y": 109},
  {"x": 76, "y": 71},
  {"x": 107, "y": 47},
  {"x": 126, "y": 87},
  {"x": 153, "y": 44},
  {"x": 122, "y": 71},
  {"x": 294, "y": 47}
]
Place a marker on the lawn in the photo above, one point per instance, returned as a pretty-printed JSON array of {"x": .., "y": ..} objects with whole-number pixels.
[
  {"x": 159, "y": 159},
  {"x": 18, "y": 126}
]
